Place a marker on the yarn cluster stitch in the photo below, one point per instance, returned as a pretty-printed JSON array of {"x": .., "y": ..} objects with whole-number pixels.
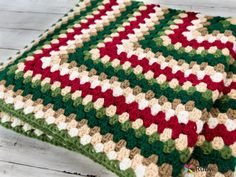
[{"x": 143, "y": 90}]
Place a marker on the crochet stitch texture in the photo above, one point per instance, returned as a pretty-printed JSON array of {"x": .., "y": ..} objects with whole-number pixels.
[{"x": 138, "y": 88}]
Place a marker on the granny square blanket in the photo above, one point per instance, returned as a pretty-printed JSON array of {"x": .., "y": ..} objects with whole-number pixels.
[{"x": 143, "y": 90}]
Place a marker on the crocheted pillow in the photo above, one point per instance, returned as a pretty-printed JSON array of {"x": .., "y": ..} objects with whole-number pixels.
[{"x": 130, "y": 86}]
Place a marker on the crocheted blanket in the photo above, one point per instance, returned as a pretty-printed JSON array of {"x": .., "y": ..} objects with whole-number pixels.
[{"x": 141, "y": 89}]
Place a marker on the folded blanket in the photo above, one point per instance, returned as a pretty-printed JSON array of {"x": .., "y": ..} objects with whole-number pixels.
[{"x": 141, "y": 89}]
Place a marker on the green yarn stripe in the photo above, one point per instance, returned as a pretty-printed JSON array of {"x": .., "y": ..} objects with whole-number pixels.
[
  {"x": 94, "y": 40},
  {"x": 147, "y": 148},
  {"x": 213, "y": 158},
  {"x": 220, "y": 24},
  {"x": 211, "y": 59},
  {"x": 68, "y": 142},
  {"x": 225, "y": 103},
  {"x": 156, "y": 45},
  {"x": 202, "y": 100}
]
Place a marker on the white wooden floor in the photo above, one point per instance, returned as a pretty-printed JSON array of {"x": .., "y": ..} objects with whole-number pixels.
[{"x": 21, "y": 21}]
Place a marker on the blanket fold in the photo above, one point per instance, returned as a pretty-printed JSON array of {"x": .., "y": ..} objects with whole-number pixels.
[{"x": 143, "y": 90}]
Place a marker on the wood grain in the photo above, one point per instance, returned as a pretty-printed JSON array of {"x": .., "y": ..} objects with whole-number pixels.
[
  {"x": 42, "y": 6},
  {"x": 27, "y": 20},
  {"x": 16, "y": 38},
  {"x": 199, "y": 3},
  {"x": 224, "y": 8},
  {"x": 6, "y": 53},
  {"x": 17, "y": 151}
]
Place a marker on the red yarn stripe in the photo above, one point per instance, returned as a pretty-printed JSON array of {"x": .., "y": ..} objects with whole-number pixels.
[
  {"x": 156, "y": 69},
  {"x": 227, "y": 89},
  {"x": 178, "y": 36},
  {"x": 122, "y": 107},
  {"x": 110, "y": 49},
  {"x": 220, "y": 130},
  {"x": 77, "y": 31},
  {"x": 189, "y": 129}
]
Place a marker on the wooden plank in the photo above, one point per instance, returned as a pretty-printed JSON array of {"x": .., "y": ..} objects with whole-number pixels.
[
  {"x": 224, "y": 12},
  {"x": 35, "y": 156},
  {"x": 201, "y": 3},
  {"x": 27, "y": 20},
  {"x": 52, "y": 6},
  {"x": 23, "y": 20},
  {"x": 16, "y": 39},
  {"x": 179, "y": 7},
  {"x": 6, "y": 53},
  {"x": 11, "y": 169},
  {"x": 208, "y": 9}
]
